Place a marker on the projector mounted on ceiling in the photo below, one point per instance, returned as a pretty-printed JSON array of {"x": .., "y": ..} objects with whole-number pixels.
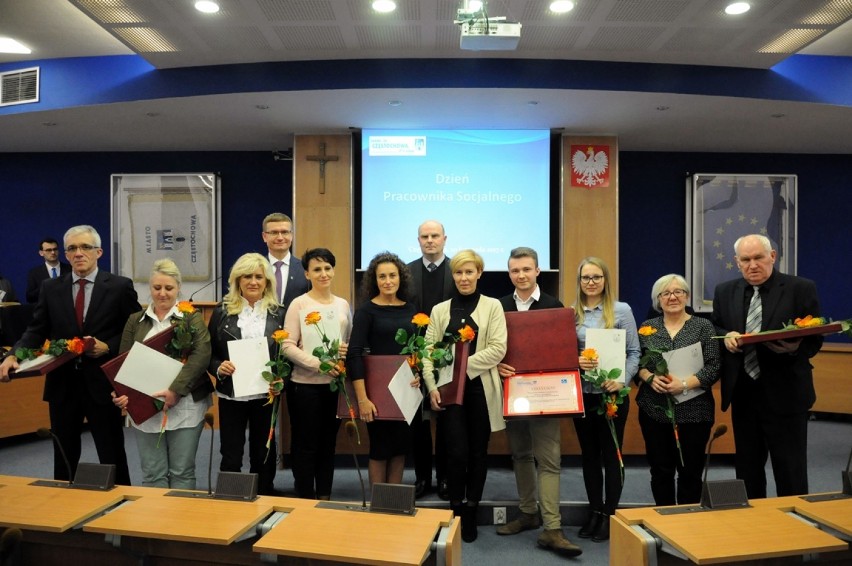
[{"x": 481, "y": 33}]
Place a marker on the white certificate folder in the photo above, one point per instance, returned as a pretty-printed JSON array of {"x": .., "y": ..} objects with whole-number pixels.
[{"x": 611, "y": 346}]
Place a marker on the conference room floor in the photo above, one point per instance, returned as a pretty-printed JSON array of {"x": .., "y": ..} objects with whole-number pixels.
[{"x": 829, "y": 442}]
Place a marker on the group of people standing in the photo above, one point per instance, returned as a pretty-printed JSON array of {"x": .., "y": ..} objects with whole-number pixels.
[{"x": 269, "y": 293}]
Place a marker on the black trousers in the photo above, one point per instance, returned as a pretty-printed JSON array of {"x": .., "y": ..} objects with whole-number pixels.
[
  {"x": 759, "y": 432},
  {"x": 661, "y": 450},
  {"x": 234, "y": 416},
  {"x": 601, "y": 468},
  {"x": 466, "y": 430},
  {"x": 105, "y": 423},
  {"x": 313, "y": 429}
]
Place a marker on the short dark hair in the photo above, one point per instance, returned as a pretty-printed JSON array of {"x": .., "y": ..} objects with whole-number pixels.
[
  {"x": 369, "y": 285},
  {"x": 321, "y": 254},
  {"x": 47, "y": 241},
  {"x": 523, "y": 251}
]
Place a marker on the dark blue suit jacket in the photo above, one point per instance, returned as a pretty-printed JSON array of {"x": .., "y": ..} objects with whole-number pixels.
[
  {"x": 37, "y": 275},
  {"x": 297, "y": 284}
]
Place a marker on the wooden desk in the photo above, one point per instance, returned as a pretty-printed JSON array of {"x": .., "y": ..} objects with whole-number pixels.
[
  {"x": 764, "y": 531},
  {"x": 368, "y": 538},
  {"x": 51, "y": 509}
]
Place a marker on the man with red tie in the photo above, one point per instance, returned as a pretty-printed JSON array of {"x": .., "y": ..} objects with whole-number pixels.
[{"x": 92, "y": 303}]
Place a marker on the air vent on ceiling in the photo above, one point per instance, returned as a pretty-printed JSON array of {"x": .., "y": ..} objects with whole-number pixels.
[{"x": 19, "y": 87}]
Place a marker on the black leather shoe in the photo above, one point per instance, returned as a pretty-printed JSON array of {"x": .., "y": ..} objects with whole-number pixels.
[
  {"x": 602, "y": 532},
  {"x": 421, "y": 488},
  {"x": 588, "y": 530},
  {"x": 443, "y": 490}
]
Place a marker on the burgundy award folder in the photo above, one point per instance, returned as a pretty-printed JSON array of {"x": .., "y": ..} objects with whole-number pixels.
[
  {"x": 140, "y": 406},
  {"x": 380, "y": 371},
  {"x": 452, "y": 393},
  {"x": 51, "y": 363},
  {"x": 542, "y": 347}
]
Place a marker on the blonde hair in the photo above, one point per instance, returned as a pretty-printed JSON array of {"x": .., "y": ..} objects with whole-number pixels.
[
  {"x": 607, "y": 299},
  {"x": 247, "y": 264},
  {"x": 465, "y": 256},
  {"x": 167, "y": 267}
]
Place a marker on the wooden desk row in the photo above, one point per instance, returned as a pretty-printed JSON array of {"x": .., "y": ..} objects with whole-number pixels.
[
  {"x": 129, "y": 523},
  {"x": 775, "y": 530}
]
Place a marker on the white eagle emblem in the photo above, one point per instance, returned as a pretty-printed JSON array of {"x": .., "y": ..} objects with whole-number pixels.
[{"x": 589, "y": 166}]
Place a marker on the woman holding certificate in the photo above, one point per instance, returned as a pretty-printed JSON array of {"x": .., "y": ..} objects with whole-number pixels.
[
  {"x": 692, "y": 359},
  {"x": 312, "y": 404},
  {"x": 382, "y": 313},
  {"x": 168, "y": 441},
  {"x": 467, "y": 427},
  {"x": 248, "y": 311},
  {"x": 596, "y": 308}
]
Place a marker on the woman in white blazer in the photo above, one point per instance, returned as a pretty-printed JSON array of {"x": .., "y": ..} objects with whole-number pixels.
[{"x": 467, "y": 427}]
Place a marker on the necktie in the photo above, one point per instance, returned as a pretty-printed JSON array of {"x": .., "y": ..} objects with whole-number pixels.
[
  {"x": 80, "y": 302},
  {"x": 431, "y": 267},
  {"x": 279, "y": 280},
  {"x": 753, "y": 322},
  {"x": 53, "y": 273}
]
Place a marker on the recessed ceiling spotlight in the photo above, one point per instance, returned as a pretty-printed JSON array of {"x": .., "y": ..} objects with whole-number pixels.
[
  {"x": 737, "y": 8},
  {"x": 561, "y": 6},
  {"x": 384, "y": 6},
  {"x": 9, "y": 45},
  {"x": 474, "y": 6},
  {"x": 207, "y": 6},
  {"x": 394, "y": 103}
]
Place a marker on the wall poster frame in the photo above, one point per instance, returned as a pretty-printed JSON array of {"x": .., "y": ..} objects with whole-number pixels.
[
  {"x": 175, "y": 215},
  {"x": 722, "y": 207}
]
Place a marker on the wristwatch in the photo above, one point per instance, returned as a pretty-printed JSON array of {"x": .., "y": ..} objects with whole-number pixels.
[{"x": 685, "y": 388}]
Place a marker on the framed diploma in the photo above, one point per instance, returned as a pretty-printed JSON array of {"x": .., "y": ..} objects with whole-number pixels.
[
  {"x": 547, "y": 394},
  {"x": 541, "y": 340}
]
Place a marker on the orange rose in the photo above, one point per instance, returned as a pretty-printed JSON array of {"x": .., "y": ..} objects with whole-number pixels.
[
  {"x": 340, "y": 367},
  {"x": 808, "y": 322},
  {"x": 75, "y": 345},
  {"x": 280, "y": 335},
  {"x": 611, "y": 410},
  {"x": 185, "y": 307},
  {"x": 466, "y": 333},
  {"x": 647, "y": 330},
  {"x": 590, "y": 354},
  {"x": 420, "y": 320},
  {"x": 313, "y": 318}
]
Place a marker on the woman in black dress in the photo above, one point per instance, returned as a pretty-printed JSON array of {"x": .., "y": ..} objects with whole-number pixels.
[{"x": 384, "y": 309}]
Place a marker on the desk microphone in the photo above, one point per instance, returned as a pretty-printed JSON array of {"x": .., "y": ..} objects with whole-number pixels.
[
  {"x": 208, "y": 418},
  {"x": 721, "y": 494},
  {"x": 9, "y": 542},
  {"x": 47, "y": 433},
  {"x": 202, "y": 288},
  {"x": 721, "y": 430}
]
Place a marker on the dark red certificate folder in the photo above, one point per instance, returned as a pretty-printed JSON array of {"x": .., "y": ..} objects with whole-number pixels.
[
  {"x": 380, "y": 371},
  {"x": 823, "y": 329},
  {"x": 54, "y": 363},
  {"x": 541, "y": 340},
  {"x": 140, "y": 406},
  {"x": 453, "y": 393}
]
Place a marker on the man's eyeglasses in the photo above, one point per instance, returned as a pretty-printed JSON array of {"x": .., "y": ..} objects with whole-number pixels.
[
  {"x": 276, "y": 233},
  {"x": 677, "y": 293},
  {"x": 586, "y": 279},
  {"x": 50, "y": 250},
  {"x": 82, "y": 248}
]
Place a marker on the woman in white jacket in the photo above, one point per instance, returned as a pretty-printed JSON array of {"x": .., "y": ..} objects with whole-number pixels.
[{"x": 468, "y": 427}]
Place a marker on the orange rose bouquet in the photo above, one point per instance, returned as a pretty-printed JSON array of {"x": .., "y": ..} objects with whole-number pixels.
[
  {"x": 415, "y": 346},
  {"x": 279, "y": 370},
  {"x": 52, "y": 348}
]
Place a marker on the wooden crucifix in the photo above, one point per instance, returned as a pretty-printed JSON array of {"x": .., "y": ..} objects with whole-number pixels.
[{"x": 322, "y": 159}]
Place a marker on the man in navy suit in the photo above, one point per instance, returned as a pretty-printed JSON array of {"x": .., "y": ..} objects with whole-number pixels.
[
  {"x": 537, "y": 440},
  {"x": 432, "y": 283},
  {"x": 289, "y": 274},
  {"x": 50, "y": 269},
  {"x": 769, "y": 386},
  {"x": 79, "y": 390}
]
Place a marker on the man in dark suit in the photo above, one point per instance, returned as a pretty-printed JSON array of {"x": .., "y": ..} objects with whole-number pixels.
[
  {"x": 769, "y": 386},
  {"x": 537, "y": 440},
  {"x": 289, "y": 274},
  {"x": 79, "y": 389},
  {"x": 432, "y": 283},
  {"x": 7, "y": 292},
  {"x": 50, "y": 269}
]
